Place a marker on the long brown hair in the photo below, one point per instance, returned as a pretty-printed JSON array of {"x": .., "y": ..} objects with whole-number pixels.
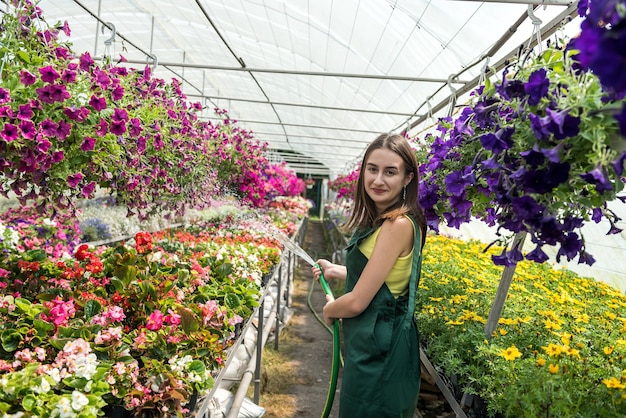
[{"x": 364, "y": 213}]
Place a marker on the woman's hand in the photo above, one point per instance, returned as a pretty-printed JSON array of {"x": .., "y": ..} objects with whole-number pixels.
[{"x": 328, "y": 269}]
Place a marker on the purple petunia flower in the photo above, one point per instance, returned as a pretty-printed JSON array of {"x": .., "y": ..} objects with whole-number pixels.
[
  {"x": 62, "y": 53},
  {"x": 88, "y": 189},
  {"x": 48, "y": 74},
  {"x": 618, "y": 164},
  {"x": 74, "y": 179},
  {"x": 119, "y": 115},
  {"x": 63, "y": 131},
  {"x": 43, "y": 146},
  {"x": 25, "y": 112},
  {"x": 98, "y": 103},
  {"x": 27, "y": 128},
  {"x": 49, "y": 127},
  {"x": 68, "y": 76},
  {"x": 118, "y": 127},
  {"x": 135, "y": 127},
  {"x": 570, "y": 246},
  {"x": 102, "y": 127},
  {"x": 88, "y": 144},
  {"x": 9, "y": 132},
  {"x": 5, "y": 95},
  {"x": 537, "y": 86},
  {"x": 533, "y": 157},
  {"x": 58, "y": 156},
  {"x": 599, "y": 178},
  {"x": 117, "y": 93},
  {"x": 86, "y": 61},
  {"x": 27, "y": 78},
  {"x": 585, "y": 258},
  {"x": 526, "y": 207},
  {"x": 508, "y": 258},
  {"x": 537, "y": 255},
  {"x": 498, "y": 142}
]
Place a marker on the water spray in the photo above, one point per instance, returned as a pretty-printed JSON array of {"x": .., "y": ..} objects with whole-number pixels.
[{"x": 297, "y": 250}]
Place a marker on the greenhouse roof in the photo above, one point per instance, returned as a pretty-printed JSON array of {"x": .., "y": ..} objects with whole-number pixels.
[{"x": 317, "y": 80}]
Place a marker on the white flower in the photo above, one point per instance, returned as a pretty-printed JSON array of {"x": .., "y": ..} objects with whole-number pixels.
[
  {"x": 55, "y": 374},
  {"x": 49, "y": 222},
  {"x": 43, "y": 387},
  {"x": 65, "y": 408},
  {"x": 85, "y": 366},
  {"x": 79, "y": 400}
]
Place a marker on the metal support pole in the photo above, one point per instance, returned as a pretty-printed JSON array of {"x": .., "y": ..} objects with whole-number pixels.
[
  {"x": 259, "y": 353},
  {"x": 278, "y": 301}
]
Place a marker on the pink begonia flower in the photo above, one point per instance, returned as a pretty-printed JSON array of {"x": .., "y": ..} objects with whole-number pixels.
[
  {"x": 115, "y": 314},
  {"x": 172, "y": 318},
  {"x": 155, "y": 321}
]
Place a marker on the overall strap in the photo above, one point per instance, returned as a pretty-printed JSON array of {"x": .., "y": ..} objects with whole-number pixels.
[{"x": 416, "y": 270}]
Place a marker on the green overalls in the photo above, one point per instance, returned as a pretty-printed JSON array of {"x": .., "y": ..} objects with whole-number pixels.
[{"x": 381, "y": 376}]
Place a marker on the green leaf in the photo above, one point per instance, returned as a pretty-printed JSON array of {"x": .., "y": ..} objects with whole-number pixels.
[
  {"x": 29, "y": 402},
  {"x": 92, "y": 308},
  {"x": 188, "y": 320},
  {"x": 23, "y": 55},
  {"x": 10, "y": 340},
  {"x": 232, "y": 300}
]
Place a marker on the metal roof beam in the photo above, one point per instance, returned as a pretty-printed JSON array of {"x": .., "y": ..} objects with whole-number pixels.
[
  {"x": 272, "y": 103},
  {"x": 295, "y": 72}
]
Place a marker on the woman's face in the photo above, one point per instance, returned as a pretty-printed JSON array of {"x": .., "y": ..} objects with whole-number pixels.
[{"x": 384, "y": 178}]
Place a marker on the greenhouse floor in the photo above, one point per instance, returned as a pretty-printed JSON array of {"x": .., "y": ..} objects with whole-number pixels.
[{"x": 305, "y": 350}]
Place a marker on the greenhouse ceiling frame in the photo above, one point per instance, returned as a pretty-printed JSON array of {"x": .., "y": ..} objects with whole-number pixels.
[{"x": 316, "y": 108}]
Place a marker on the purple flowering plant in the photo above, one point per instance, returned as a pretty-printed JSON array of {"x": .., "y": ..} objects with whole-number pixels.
[
  {"x": 535, "y": 151},
  {"x": 70, "y": 126}
]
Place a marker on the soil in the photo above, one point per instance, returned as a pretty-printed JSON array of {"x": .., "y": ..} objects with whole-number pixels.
[{"x": 307, "y": 346}]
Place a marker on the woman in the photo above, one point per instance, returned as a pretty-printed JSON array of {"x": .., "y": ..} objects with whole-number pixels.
[{"x": 381, "y": 375}]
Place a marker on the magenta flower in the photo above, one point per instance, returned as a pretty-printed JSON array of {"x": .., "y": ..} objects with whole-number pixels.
[
  {"x": 66, "y": 28},
  {"x": 27, "y": 78},
  {"x": 88, "y": 144},
  {"x": 43, "y": 146},
  {"x": 86, "y": 61},
  {"x": 118, "y": 127},
  {"x": 68, "y": 76},
  {"x": 25, "y": 112},
  {"x": 5, "y": 95},
  {"x": 9, "y": 133},
  {"x": 63, "y": 130},
  {"x": 74, "y": 179},
  {"x": 98, "y": 103},
  {"x": 49, "y": 127},
  {"x": 119, "y": 115},
  {"x": 117, "y": 93},
  {"x": 102, "y": 128},
  {"x": 58, "y": 156},
  {"x": 48, "y": 74},
  {"x": 27, "y": 127},
  {"x": 155, "y": 321},
  {"x": 88, "y": 189}
]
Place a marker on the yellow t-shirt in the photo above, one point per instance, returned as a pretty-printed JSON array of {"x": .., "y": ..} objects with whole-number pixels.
[{"x": 398, "y": 279}]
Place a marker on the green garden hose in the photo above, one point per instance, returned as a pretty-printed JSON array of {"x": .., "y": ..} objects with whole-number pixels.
[{"x": 336, "y": 351}]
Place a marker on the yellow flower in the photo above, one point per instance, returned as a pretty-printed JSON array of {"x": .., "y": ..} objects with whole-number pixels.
[
  {"x": 510, "y": 353},
  {"x": 541, "y": 362},
  {"x": 613, "y": 383},
  {"x": 502, "y": 331},
  {"x": 608, "y": 350},
  {"x": 553, "y": 349},
  {"x": 566, "y": 338},
  {"x": 554, "y": 368},
  {"x": 572, "y": 352}
]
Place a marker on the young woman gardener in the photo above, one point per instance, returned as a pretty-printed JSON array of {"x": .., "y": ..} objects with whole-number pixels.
[{"x": 381, "y": 375}]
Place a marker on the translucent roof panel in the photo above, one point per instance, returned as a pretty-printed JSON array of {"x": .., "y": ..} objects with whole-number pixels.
[{"x": 315, "y": 79}]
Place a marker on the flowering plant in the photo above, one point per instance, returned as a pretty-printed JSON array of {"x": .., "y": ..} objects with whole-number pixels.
[
  {"x": 534, "y": 152},
  {"x": 345, "y": 185},
  {"x": 559, "y": 348}
]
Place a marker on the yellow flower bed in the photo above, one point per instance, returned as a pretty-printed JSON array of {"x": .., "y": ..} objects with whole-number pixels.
[{"x": 560, "y": 345}]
